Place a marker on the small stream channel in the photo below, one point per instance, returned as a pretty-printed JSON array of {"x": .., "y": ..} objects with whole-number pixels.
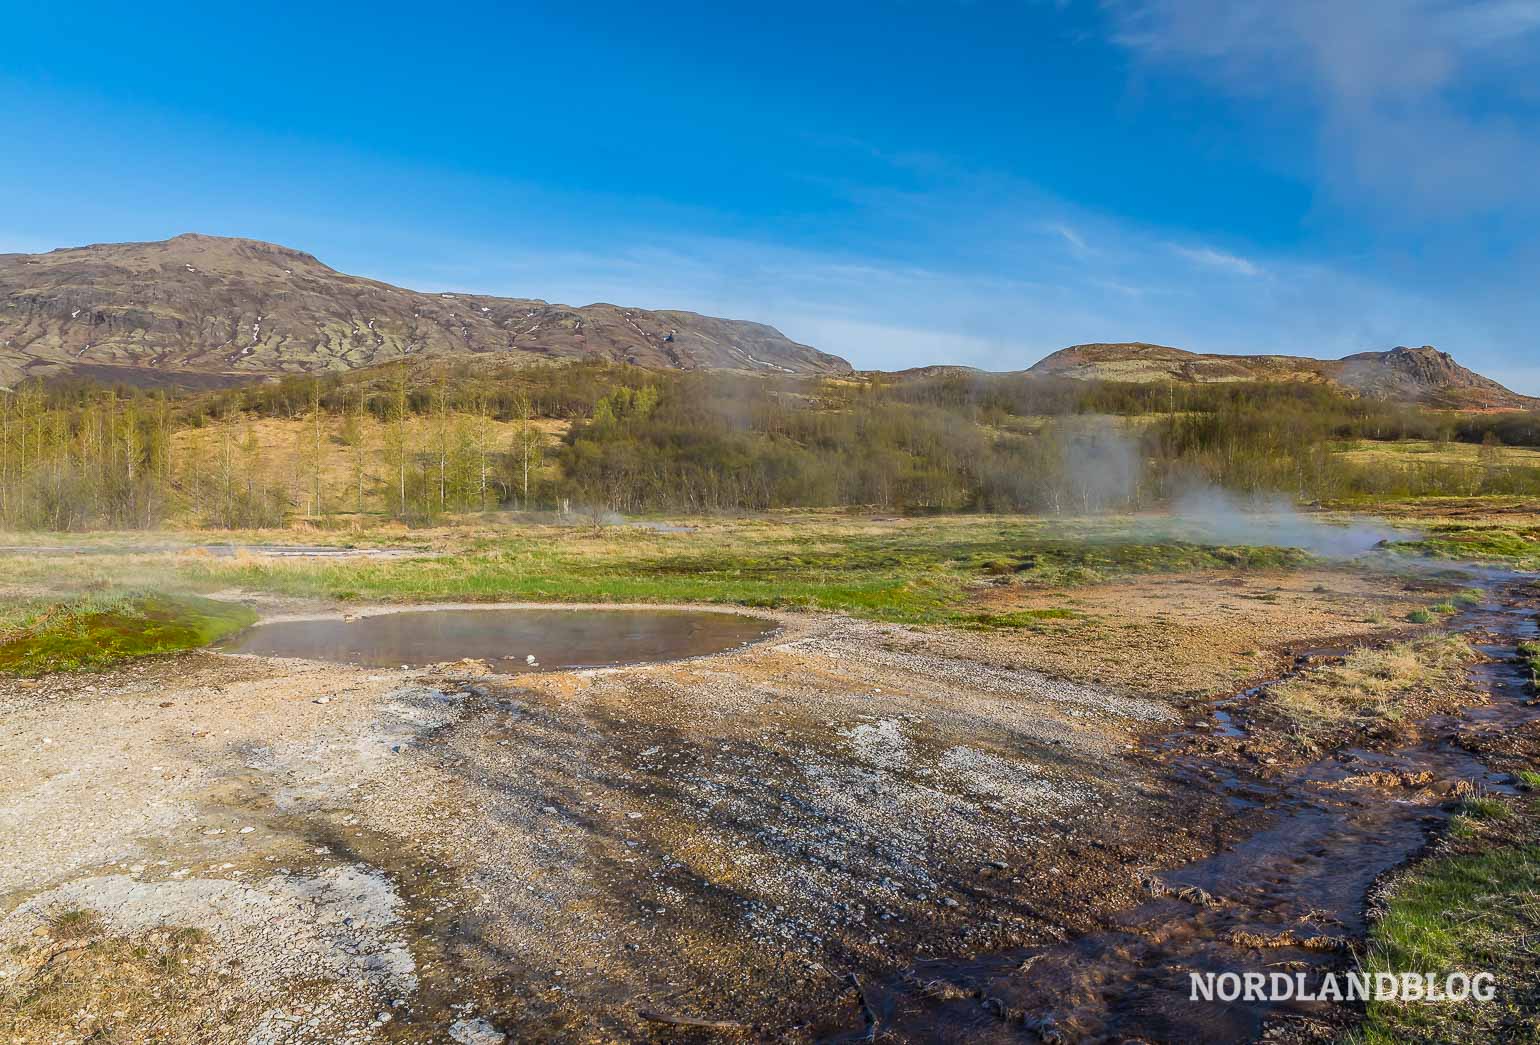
[{"x": 1288, "y": 898}]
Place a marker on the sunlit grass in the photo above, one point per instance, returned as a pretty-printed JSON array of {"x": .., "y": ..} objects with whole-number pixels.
[
  {"x": 1472, "y": 909},
  {"x": 1371, "y": 684}
]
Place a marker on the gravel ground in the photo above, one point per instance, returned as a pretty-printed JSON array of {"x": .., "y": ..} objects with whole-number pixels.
[{"x": 439, "y": 854}]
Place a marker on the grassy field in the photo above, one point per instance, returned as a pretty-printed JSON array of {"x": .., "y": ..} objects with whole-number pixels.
[
  {"x": 97, "y": 631},
  {"x": 1497, "y": 530},
  {"x": 911, "y": 570},
  {"x": 1369, "y": 452},
  {"x": 1515, "y": 546},
  {"x": 113, "y": 990},
  {"x": 916, "y": 570},
  {"x": 1474, "y": 908}
]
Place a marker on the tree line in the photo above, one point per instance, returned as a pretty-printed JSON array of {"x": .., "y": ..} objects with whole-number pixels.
[{"x": 426, "y": 440}]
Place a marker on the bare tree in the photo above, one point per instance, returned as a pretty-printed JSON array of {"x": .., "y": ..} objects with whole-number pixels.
[{"x": 527, "y": 442}]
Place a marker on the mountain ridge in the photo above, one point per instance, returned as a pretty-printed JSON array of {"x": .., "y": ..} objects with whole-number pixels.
[
  {"x": 1423, "y": 374},
  {"x": 243, "y": 308},
  {"x": 202, "y": 311}
]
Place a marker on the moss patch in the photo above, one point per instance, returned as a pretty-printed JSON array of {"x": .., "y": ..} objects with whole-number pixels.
[
  {"x": 1518, "y": 546},
  {"x": 101, "y": 630},
  {"x": 1530, "y": 652}
]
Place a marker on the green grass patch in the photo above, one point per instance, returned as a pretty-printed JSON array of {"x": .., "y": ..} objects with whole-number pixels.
[
  {"x": 1485, "y": 807},
  {"x": 920, "y": 573},
  {"x": 1472, "y": 909},
  {"x": 1515, "y": 546},
  {"x": 1420, "y": 617},
  {"x": 96, "y": 631},
  {"x": 1012, "y": 620}
]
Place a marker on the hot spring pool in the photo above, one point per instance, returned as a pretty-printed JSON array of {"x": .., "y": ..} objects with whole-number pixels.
[{"x": 503, "y": 637}]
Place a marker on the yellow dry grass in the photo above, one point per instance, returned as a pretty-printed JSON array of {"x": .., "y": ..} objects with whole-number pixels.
[
  {"x": 1387, "y": 683},
  {"x": 1421, "y": 451},
  {"x": 81, "y": 984},
  {"x": 283, "y": 451}
]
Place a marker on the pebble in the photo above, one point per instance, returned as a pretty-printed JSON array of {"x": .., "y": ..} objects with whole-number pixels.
[{"x": 476, "y": 1031}]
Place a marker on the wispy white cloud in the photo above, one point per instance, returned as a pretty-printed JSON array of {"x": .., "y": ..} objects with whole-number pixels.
[
  {"x": 1218, "y": 259},
  {"x": 1410, "y": 93},
  {"x": 1071, "y": 236},
  {"x": 991, "y": 272},
  {"x": 884, "y": 313}
]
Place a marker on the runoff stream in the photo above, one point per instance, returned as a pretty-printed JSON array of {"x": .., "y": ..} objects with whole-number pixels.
[{"x": 1290, "y": 897}]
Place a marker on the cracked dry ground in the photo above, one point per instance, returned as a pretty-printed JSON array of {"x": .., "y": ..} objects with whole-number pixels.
[{"x": 427, "y": 856}]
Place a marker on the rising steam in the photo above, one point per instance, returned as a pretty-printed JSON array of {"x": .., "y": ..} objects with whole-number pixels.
[
  {"x": 1103, "y": 468},
  {"x": 1212, "y": 515}
]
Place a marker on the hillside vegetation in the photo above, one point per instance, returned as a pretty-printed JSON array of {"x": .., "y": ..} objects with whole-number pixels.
[{"x": 430, "y": 439}]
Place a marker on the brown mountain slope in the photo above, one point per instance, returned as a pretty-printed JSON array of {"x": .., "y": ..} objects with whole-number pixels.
[
  {"x": 207, "y": 306},
  {"x": 1421, "y": 375}
]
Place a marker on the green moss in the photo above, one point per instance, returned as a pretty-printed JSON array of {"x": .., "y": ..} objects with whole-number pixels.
[
  {"x": 1517, "y": 546},
  {"x": 101, "y": 630}
]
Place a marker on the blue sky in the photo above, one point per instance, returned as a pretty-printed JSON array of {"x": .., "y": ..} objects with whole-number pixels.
[{"x": 901, "y": 183}]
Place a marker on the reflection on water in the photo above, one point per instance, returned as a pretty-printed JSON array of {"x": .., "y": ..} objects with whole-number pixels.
[{"x": 505, "y": 638}]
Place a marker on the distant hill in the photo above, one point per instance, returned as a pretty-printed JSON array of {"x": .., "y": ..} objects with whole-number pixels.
[
  {"x": 206, "y": 310},
  {"x": 203, "y": 311},
  {"x": 1420, "y": 375}
]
